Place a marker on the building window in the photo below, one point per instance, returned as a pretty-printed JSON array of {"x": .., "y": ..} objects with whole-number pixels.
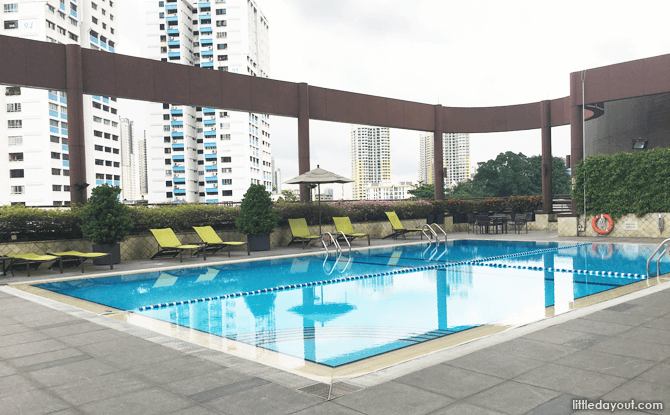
[
  {"x": 56, "y": 187},
  {"x": 16, "y": 107},
  {"x": 66, "y": 156},
  {"x": 12, "y": 8},
  {"x": 226, "y": 159},
  {"x": 64, "y": 140},
  {"x": 14, "y": 123},
  {"x": 97, "y": 133},
  {"x": 63, "y": 125},
  {"x": 220, "y": 35},
  {"x": 53, "y": 123},
  {"x": 220, "y": 12},
  {"x": 66, "y": 188},
  {"x": 53, "y": 107},
  {"x": 108, "y": 149},
  {"x": 11, "y": 24},
  {"x": 97, "y": 119},
  {"x": 115, "y": 150},
  {"x": 15, "y": 156},
  {"x": 73, "y": 36},
  {"x": 94, "y": 6},
  {"x": 227, "y": 181},
  {"x": 115, "y": 137},
  {"x": 16, "y": 173},
  {"x": 61, "y": 31},
  {"x": 222, "y": 46},
  {"x": 104, "y": 12},
  {"x": 223, "y": 58},
  {"x": 94, "y": 19},
  {"x": 66, "y": 172},
  {"x": 99, "y": 162},
  {"x": 17, "y": 190},
  {"x": 221, "y": 23},
  {"x": 55, "y": 155},
  {"x": 55, "y": 172},
  {"x": 108, "y": 163},
  {"x": 73, "y": 21},
  {"x": 54, "y": 139},
  {"x": 226, "y": 193},
  {"x": 15, "y": 140},
  {"x": 98, "y": 148},
  {"x": 51, "y": 25}
]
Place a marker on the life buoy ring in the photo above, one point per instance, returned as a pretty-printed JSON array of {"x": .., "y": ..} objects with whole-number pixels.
[
  {"x": 594, "y": 224},
  {"x": 605, "y": 256}
]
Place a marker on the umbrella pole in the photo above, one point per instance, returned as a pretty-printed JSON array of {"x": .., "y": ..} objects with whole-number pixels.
[{"x": 319, "y": 196}]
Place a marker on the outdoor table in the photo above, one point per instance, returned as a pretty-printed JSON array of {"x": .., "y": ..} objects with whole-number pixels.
[
  {"x": 501, "y": 220},
  {"x": 5, "y": 258}
]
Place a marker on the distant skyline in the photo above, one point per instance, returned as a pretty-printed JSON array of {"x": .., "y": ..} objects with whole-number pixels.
[{"x": 456, "y": 53}]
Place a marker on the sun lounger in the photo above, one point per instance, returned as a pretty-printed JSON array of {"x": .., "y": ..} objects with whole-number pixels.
[
  {"x": 169, "y": 245},
  {"x": 78, "y": 258},
  {"x": 343, "y": 225},
  {"x": 300, "y": 232},
  {"x": 29, "y": 259},
  {"x": 213, "y": 242},
  {"x": 398, "y": 228}
]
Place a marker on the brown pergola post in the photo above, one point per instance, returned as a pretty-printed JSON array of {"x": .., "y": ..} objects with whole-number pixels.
[
  {"x": 438, "y": 158},
  {"x": 75, "y": 124},
  {"x": 576, "y": 128},
  {"x": 303, "y": 137},
  {"x": 547, "y": 193}
]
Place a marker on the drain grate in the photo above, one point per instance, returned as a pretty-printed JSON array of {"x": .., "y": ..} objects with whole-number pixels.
[{"x": 328, "y": 392}]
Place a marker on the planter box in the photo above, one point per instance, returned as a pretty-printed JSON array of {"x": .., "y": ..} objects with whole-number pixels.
[
  {"x": 259, "y": 242},
  {"x": 114, "y": 249}
]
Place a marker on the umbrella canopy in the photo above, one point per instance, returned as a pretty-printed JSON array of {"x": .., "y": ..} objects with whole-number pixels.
[{"x": 318, "y": 176}]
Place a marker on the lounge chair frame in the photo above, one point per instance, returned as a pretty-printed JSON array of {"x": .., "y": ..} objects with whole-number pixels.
[
  {"x": 343, "y": 224},
  {"x": 398, "y": 228},
  {"x": 213, "y": 242},
  {"x": 300, "y": 232},
  {"x": 28, "y": 259},
  {"x": 78, "y": 258},
  {"x": 169, "y": 245}
]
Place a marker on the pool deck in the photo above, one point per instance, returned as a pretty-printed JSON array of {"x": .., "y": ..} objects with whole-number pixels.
[{"x": 55, "y": 358}]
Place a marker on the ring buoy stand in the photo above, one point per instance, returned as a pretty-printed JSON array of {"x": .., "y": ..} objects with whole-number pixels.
[{"x": 610, "y": 225}]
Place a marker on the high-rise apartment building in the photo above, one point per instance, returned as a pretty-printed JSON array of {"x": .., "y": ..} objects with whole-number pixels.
[
  {"x": 456, "y": 156},
  {"x": 370, "y": 158},
  {"x": 276, "y": 177},
  {"x": 34, "y": 159},
  {"x": 207, "y": 155},
  {"x": 133, "y": 170}
]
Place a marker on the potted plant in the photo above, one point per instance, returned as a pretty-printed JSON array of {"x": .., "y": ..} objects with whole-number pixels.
[
  {"x": 256, "y": 218},
  {"x": 106, "y": 222}
]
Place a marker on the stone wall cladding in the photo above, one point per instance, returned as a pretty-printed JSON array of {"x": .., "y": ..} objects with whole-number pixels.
[
  {"x": 567, "y": 226},
  {"x": 647, "y": 227},
  {"x": 144, "y": 246}
]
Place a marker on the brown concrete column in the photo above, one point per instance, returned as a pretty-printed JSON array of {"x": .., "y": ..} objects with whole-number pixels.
[
  {"x": 75, "y": 124},
  {"x": 438, "y": 156},
  {"x": 547, "y": 194},
  {"x": 303, "y": 136},
  {"x": 576, "y": 126}
]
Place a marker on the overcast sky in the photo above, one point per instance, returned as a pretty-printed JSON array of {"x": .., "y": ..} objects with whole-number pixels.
[{"x": 467, "y": 53}]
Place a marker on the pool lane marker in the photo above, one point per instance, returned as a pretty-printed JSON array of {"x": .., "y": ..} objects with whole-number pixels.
[{"x": 477, "y": 262}]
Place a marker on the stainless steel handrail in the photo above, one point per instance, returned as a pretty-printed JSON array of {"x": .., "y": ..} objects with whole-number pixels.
[
  {"x": 334, "y": 241},
  {"x": 658, "y": 261},
  {"x": 345, "y": 239},
  {"x": 423, "y": 230},
  {"x": 441, "y": 230}
]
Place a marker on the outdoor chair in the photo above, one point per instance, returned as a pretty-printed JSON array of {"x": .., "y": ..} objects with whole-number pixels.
[
  {"x": 482, "y": 222},
  {"x": 77, "y": 258},
  {"x": 169, "y": 245},
  {"x": 343, "y": 225},
  {"x": 28, "y": 259},
  {"x": 213, "y": 242},
  {"x": 300, "y": 232},
  {"x": 471, "y": 222},
  {"x": 398, "y": 228},
  {"x": 519, "y": 222}
]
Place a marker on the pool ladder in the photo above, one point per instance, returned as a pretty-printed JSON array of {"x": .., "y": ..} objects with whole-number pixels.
[
  {"x": 433, "y": 233},
  {"x": 665, "y": 251},
  {"x": 338, "y": 248}
]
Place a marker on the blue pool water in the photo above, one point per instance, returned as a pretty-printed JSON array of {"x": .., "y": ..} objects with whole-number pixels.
[{"x": 335, "y": 312}]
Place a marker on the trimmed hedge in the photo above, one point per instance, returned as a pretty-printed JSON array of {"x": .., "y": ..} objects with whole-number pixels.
[
  {"x": 624, "y": 183},
  {"x": 33, "y": 224}
]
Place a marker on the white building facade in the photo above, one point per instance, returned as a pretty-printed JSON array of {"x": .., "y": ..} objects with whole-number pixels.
[
  {"x": 456, "y": 158},
  {"x": 370, "y": 158},
  {"x": 207, "y": 155},
  {"x": 389, "y": 191},
  {"x": 34, "y": 164},
  {"x": 133, "y": 170}
]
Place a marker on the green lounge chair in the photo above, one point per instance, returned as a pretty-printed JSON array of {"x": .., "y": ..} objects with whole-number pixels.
[
  {"x": 398, "y": 229},
  {"x": 29, "y": 259},
  {"x": 169, "y": 245},
  {"x": 300, "y": 232},
  {"x": 213, "y": 242},
  {"x": 343, "y": 225},
  {"x": 77, "y": 258}
]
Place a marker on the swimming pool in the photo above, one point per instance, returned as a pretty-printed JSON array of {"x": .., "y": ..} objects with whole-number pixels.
[{"x": 334, "y": 312}]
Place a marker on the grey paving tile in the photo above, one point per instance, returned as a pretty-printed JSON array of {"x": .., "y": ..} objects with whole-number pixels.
[
  {"x": 14, "y": 328},
  {"x": 27, "y": 349},
  {"x": 661, "y": 323},
  {"x": 268, "y": 399},
  {"x": 512, "y": 397},
  {"x": 560, "y": 405},
  {"x": 533, "y": 349},
  {"x": 463, "y": 408},
  {"x": 205, "y": 382},
  {"x": 450, "y": 381},
  {"x": 68, "y": 411},
  {"x": 117, "y": 346},
  {"x": 327, "y": 408},
  {"x": 640, "y": 392},
  {"x": 71, "y": 372},
  {"x": 41, "y": 318},
  {"x": 99, "y": 388},
  {"x": 394, "y": 398},
  {"x": 7, "y": 321},
  {"x": 610, "y": 364},
  {"x": 61, "y": 324},
  {"x": 647, "y": 334},
  {"x": 142, "y": 402},
  {"x": 195, "y": 410},
  {"x": 45, "y": 357},
  {"x": 179, "y": 369},
  {"x": 6, "y": 370},
  {"x": 571, "y": 380},
  {"x": 13, "y": 383},
  {"x": 97, "y": 336},
  {"x": 595, "y": 327},
  {"x": 622, "y": 307},
  {"x": 230, "y": 389},
  {"x": 633, "y": 348},
  {"x": 70, "y": 328},
  {"x": 34, "y": 402},
  {"x": 143, "y": 357},
  {"x": 587, "y": 340},
  {"x": 628, "y": 319},
  {"x": 494, "y": 363},
  {"x": 554, "y": 334},
  {"x": 659, "y": 374},
  {"x": 53, "y": 363},
  {"x": 19, "y": 338}
]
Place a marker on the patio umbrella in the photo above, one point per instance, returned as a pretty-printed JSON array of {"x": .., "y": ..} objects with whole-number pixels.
[{"x": 317, "y": 176}]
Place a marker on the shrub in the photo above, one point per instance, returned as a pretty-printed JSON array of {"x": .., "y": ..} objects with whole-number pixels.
[
  {"x": 104, "y": 220},
  {"x": 256, "y": 216},
  {"x": 182, "y": 217},
  {"x": 35, "y": 224}
]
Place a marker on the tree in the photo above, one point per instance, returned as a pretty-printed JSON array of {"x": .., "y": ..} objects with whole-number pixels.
[
  {"x": 464, "y": 190},
  {"x": 423, "y": 191},
  {"x": 560, "y": 178},
  {"x": 256, "y": 216},
  {"x": 105, "y": 220},
  {"x": 289, "y": 196}
]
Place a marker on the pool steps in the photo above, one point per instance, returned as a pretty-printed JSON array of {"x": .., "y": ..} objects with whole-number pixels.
[{"x": 477, "y": 262}]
